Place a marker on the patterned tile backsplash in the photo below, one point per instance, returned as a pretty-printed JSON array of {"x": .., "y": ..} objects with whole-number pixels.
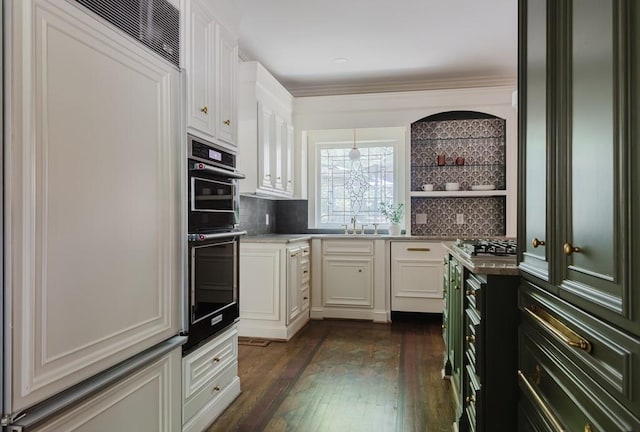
[
  {"x": 481, "y": 143},
  {"x": 483, "y": 216}
]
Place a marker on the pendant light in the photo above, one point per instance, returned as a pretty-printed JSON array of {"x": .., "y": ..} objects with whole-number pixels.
[{"x": 354, "y": 153}]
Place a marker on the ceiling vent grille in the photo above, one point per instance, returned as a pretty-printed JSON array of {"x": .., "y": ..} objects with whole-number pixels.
[{"x": 155, "y": 23}]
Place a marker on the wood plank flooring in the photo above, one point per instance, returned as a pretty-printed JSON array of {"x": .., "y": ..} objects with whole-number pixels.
[{"x": 344, "y": 376}]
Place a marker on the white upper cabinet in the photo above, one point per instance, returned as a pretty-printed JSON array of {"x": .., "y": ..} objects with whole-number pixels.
[
  {"x": 93, "y": 201},
  {"x": 266, "y": 133},
  {"x": 211, "y": 63}
]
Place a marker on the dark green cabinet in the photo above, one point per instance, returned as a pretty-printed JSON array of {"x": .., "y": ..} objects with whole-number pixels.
[
  {"x": 579, "y": 194},
  {"x": 481, "y": 355}
]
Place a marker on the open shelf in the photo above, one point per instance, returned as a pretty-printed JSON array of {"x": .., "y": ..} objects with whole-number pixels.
[{"x": 458, "y": 194}]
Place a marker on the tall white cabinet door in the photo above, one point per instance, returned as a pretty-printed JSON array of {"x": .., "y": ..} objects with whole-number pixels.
[
  {"x": 147, "y": 401},
  {"x": 293, "y": 284},
  {"x": 227, "y": 86},
  {"x": 93, "y": 199},
  {"x": 265, "y": 145},
  {"x": 200, "y": 58}
]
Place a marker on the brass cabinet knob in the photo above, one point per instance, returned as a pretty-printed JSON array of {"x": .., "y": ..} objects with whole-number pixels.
[
  {"x": 471, "y": 292},
  {"x": 216, "y": 360},
  {"x": 204, "y": 109},
  {"x": 569, "y": 249},
  {"x": 305, "y": 298},
  {"x": 217, "y": 388},
  {"x": 470, "y": 338},
  {"x": 444, "y": 326},
  {"x": 470, "y": 399},
  {"x": 535, "y": 242},
  {"x": 588, "y": 428},
  {"x": 227, "y": 122}
]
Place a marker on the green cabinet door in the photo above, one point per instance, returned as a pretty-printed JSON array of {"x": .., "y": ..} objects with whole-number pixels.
[
  {"x": 591, "y": 244},
  {"x": 535, "y": 141}
]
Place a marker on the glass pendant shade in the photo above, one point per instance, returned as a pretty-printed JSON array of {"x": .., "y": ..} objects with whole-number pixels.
[{"x": 354, "y": 153}]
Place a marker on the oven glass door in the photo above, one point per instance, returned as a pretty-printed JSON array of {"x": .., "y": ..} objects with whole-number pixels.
[
  {"x": 213, "y": 278},
  {"x": 213, "y": 204}
]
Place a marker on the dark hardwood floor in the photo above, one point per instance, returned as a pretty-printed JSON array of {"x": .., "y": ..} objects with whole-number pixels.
[{"x": 340, "y": 375}]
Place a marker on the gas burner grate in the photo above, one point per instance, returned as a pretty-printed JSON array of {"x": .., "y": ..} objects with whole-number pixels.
[{"x": 484, "y": 247}]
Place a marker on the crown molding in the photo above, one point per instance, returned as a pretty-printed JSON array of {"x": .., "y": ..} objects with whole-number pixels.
[{"x": 399, "y": 86}]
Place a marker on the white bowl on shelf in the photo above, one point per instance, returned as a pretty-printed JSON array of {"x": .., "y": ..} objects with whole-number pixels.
[
  {"x": 484, "y": 187},
  {"x": 452, "y": 186},
  {"x": 427, "y": 187}
]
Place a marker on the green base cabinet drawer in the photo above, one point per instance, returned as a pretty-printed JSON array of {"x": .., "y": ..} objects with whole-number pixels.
[
  {"x": 602, "y": 352},
  {"x": 566, "y": 400}
]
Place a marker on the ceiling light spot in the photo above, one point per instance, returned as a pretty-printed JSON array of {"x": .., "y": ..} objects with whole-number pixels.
[{"x": 339, "y": 60}]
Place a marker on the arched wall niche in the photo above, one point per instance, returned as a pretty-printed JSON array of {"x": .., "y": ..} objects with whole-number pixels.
[{"x": 467, "y": 148}]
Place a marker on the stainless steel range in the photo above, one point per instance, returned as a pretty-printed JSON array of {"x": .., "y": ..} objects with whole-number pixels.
[{"x": 480, "y": 251}]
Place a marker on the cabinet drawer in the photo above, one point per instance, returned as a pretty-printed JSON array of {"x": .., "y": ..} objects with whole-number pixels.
[
  {"x": 200, "y": 366},
  {"x": 305, "y": 273},
  {"x": 417, "y": 250},
  {"x": 560, "y": 394},
  {"x": 609, "y": 356},
  {"x": 306, "y": 296},
  {"x": 347, "y": 247},
  {"x": 209, "y": 390}
]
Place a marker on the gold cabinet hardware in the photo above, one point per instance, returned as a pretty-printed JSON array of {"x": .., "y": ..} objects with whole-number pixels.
[
  {"x": 305, "y": 271},
  {"x": 588, "y": 428},
  {"x": 557, "y": 426},
  {"x": 216, "y": 360},
  {"x": 569, "y": 249},
  {"x": 470, "y": 399},
  {"x": 444, "y": 326},
  {"x": 471, "y": 292},
  {"x": 535, "y": 242},
  {"x": 217, "y": 388},
  {"x": 359, "y": 270},
  {"x": 418, "y": 249},
  {"x": 204, "y": 109},
  {"x": 305, "y": 298},
  {"x": 558, "y": 328},
  {"x": 470, "y": 338},
  {"x": 227, "y": 122}
]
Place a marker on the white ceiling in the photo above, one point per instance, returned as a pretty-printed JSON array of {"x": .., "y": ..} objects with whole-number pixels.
[{"x": 389, "y": 45}]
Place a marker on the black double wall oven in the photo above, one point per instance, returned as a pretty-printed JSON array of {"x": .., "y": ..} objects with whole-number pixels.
[{"x": 214, "y": 240}]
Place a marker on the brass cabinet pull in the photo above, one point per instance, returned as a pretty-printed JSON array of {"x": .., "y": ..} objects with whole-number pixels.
[
  {"x": 559, "y": 329},
  {"x": 444, "y": 326},
  {"x": 204, "y": 109},
  {"x": 470, "y": 399},
  {"x": 216, "y": 359},
  {"x": 305, "y": 298},
  {"x": 569, "y": 249},
  {"x": 588, "y": 428},
  {"x": 541, "y": 404},
  {"x": 217, "y": 388},
  {"x": 227, "y": 122},
  {"x": 535, "y": 242},
  {"x": 471, "y": 292},
  {"x": 470, "y": 338},
  {"x": 418, "y": 249}
]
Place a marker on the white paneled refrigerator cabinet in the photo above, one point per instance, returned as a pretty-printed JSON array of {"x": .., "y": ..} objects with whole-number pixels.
[{"x": 94, "y": 231}]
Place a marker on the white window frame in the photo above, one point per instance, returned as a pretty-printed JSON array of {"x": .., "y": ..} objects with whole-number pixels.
[{"x": 341, "y": 138}]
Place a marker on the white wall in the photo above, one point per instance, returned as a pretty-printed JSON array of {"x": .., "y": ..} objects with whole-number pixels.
[{"x": 402, "y": 109}]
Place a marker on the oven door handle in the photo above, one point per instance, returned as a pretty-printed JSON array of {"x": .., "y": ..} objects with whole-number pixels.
[
  {"x": 199, "y": 166},
  {"x": 216, "y": 236}
]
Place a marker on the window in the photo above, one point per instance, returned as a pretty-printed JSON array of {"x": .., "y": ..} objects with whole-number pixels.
[{"x": 340, "y": 188}]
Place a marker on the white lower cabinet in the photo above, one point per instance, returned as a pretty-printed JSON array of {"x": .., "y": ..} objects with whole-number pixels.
[
  {"x": 148, "y": 400},
  {"x": 274, "y": 289},
  {"x": 210, "y": 381},
  {"x": 351, "y": 273},
  {"x": 416, "y": 276}
]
